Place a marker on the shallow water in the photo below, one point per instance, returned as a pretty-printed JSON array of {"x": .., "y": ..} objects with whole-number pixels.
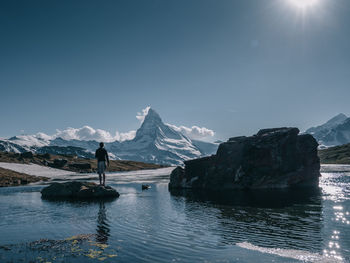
[{"x": 158, "y": 226}]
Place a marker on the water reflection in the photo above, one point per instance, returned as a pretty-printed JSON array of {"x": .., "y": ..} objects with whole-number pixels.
[
  {"x": 289, "y": 219},
  {"x": 273, "y": 198},
  {"x": 103, "y": 227}
]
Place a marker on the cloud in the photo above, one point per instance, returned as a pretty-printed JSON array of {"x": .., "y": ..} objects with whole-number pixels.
[
  {"x": 141, "y": 115},
  {"x": 87, "y": 133},
  {"x": 43, "y": 136},
  {"x": 126, "y": 136},
  {"x": 194, "y": 132}
]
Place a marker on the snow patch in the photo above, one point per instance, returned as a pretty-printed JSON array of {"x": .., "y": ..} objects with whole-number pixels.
[
  {"x": 34, "y": 169},
  {"x": 195, "y": 132}
]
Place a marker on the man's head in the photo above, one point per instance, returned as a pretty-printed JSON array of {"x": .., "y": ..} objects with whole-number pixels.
[{"x": 101, "y": 144}]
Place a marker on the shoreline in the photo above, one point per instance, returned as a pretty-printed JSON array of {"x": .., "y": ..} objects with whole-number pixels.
[
  {"x": 17, "y": 170},
  {"x": 12, "y": 178},
  {"x": 73, "y": 163}
]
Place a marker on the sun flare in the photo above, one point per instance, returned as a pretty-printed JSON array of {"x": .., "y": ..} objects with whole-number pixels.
[{"x": 303, "y": 4}]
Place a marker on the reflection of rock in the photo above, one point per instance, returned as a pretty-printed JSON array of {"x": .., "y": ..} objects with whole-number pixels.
[
  {"x": 273, "y": 158},
  {"x": 290, "y": 219},
  {"x": 102, "y": 225},
  {"x": 263, "y": 198},
  {"x": 78, "y": 190}
]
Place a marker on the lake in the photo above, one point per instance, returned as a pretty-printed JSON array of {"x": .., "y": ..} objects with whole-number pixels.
[{"x": 156, "y": 225}]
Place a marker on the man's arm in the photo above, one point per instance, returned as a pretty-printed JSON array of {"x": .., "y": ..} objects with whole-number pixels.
[
  {"x": 107, "y": 158},
  {"x": 96, "y": 154}
]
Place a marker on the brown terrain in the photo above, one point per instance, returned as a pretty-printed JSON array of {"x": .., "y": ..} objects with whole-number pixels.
[
  {"x": 64, "y": 162},
  {"x": 12, "y": 178},
  {"x": 335, "y": 155}
]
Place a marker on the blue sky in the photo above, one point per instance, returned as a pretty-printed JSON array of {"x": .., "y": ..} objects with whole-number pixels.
[{"x": 231, "y": 66}]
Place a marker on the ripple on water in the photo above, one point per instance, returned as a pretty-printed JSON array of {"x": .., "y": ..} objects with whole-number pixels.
[{"x": 156, "y": 226}]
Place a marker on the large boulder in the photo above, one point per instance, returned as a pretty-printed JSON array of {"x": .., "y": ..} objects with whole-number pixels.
[
  {"x": 78, "y": 190},
  {"x": 273, "y": 158}
]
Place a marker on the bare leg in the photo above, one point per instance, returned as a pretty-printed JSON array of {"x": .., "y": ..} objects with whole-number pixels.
[{"x": 104, "y": 179}]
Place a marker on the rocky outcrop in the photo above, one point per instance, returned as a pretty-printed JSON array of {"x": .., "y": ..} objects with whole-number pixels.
[
  {"x": 27, "y": 155},
  {"x": 12, "y": 178},
  {"x": 273, "y": 158},
  {"x": 78, "y": 190},
  {"x": 58, "y": 163},
  {"x": 80, "y": 166}
]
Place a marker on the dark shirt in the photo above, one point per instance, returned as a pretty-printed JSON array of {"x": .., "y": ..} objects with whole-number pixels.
[{"x": 101, "y": 155}]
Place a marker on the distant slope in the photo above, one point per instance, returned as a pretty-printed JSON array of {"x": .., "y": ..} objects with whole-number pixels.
[
  {"x": 66, "y": 150},
  {"x": 7, "y": 146},
  {"x": 332, "y": 123},
  {"x": 206, "y": 148},
  {"x": 334, "y": 132},
  {"x": 335, "y": 155}
]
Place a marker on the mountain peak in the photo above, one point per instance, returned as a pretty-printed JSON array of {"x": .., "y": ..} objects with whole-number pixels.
[
  {"x": 334, "y": 132},
  {"x": 338, "y": 118},
  {"x": 152, "y": 115}
]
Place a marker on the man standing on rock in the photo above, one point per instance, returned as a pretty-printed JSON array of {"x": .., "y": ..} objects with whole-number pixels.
[{"x": 102, "y": 156}]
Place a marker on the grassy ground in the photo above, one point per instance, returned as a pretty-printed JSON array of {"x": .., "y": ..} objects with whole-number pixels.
[{"x": 335, "y": 155}]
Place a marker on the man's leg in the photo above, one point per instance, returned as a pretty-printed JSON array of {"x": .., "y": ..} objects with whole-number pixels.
[
  {"x": 104, "y": 179},
  {"x": 100, "y": 178}
]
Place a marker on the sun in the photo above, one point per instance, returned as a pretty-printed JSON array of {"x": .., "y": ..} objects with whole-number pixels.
[{"x": 303, "y": 4}]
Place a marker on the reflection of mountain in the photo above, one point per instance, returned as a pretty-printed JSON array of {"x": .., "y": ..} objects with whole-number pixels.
[
  {"x": 279, "y": 219},
  {"x": 103, "y": 228}
]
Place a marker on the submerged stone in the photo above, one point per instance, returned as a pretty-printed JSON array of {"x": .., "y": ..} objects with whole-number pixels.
[
  {"x": 78, "y": 190},
  {"x": 273, "y": 158}
]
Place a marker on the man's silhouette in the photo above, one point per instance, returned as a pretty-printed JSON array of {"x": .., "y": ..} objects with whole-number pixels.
[{"x": 102, "y": 157}]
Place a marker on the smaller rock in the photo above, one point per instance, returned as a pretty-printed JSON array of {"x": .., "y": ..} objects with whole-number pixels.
[
  {"x": 78, "y": 190},
  {"x": 27, "y": 155},
  {"x": 80, "y": 166},
  {"x": 45, "y": 156},
  {"x": 146, "y": 186},
  {"x": 58, "y": 163}
]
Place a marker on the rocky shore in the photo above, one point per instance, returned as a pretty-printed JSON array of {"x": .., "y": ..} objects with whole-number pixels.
[
  {"x": 273, "y": 158},
  {"x": 12, "y": 178}
]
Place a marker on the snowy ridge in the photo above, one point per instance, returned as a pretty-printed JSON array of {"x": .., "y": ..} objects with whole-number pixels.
[
  {"x": 334, "y": 132},
  {"x": 154, "y": 142},
  {"x": 34, "y": 169}
]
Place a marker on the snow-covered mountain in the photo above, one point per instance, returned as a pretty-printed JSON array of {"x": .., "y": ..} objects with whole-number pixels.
[
  {"x": 155, "y": 142},
  {"x": 334, "y": 132}
]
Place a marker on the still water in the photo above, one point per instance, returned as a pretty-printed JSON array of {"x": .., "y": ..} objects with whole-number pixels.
[{"x": 158, "y": 226}]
